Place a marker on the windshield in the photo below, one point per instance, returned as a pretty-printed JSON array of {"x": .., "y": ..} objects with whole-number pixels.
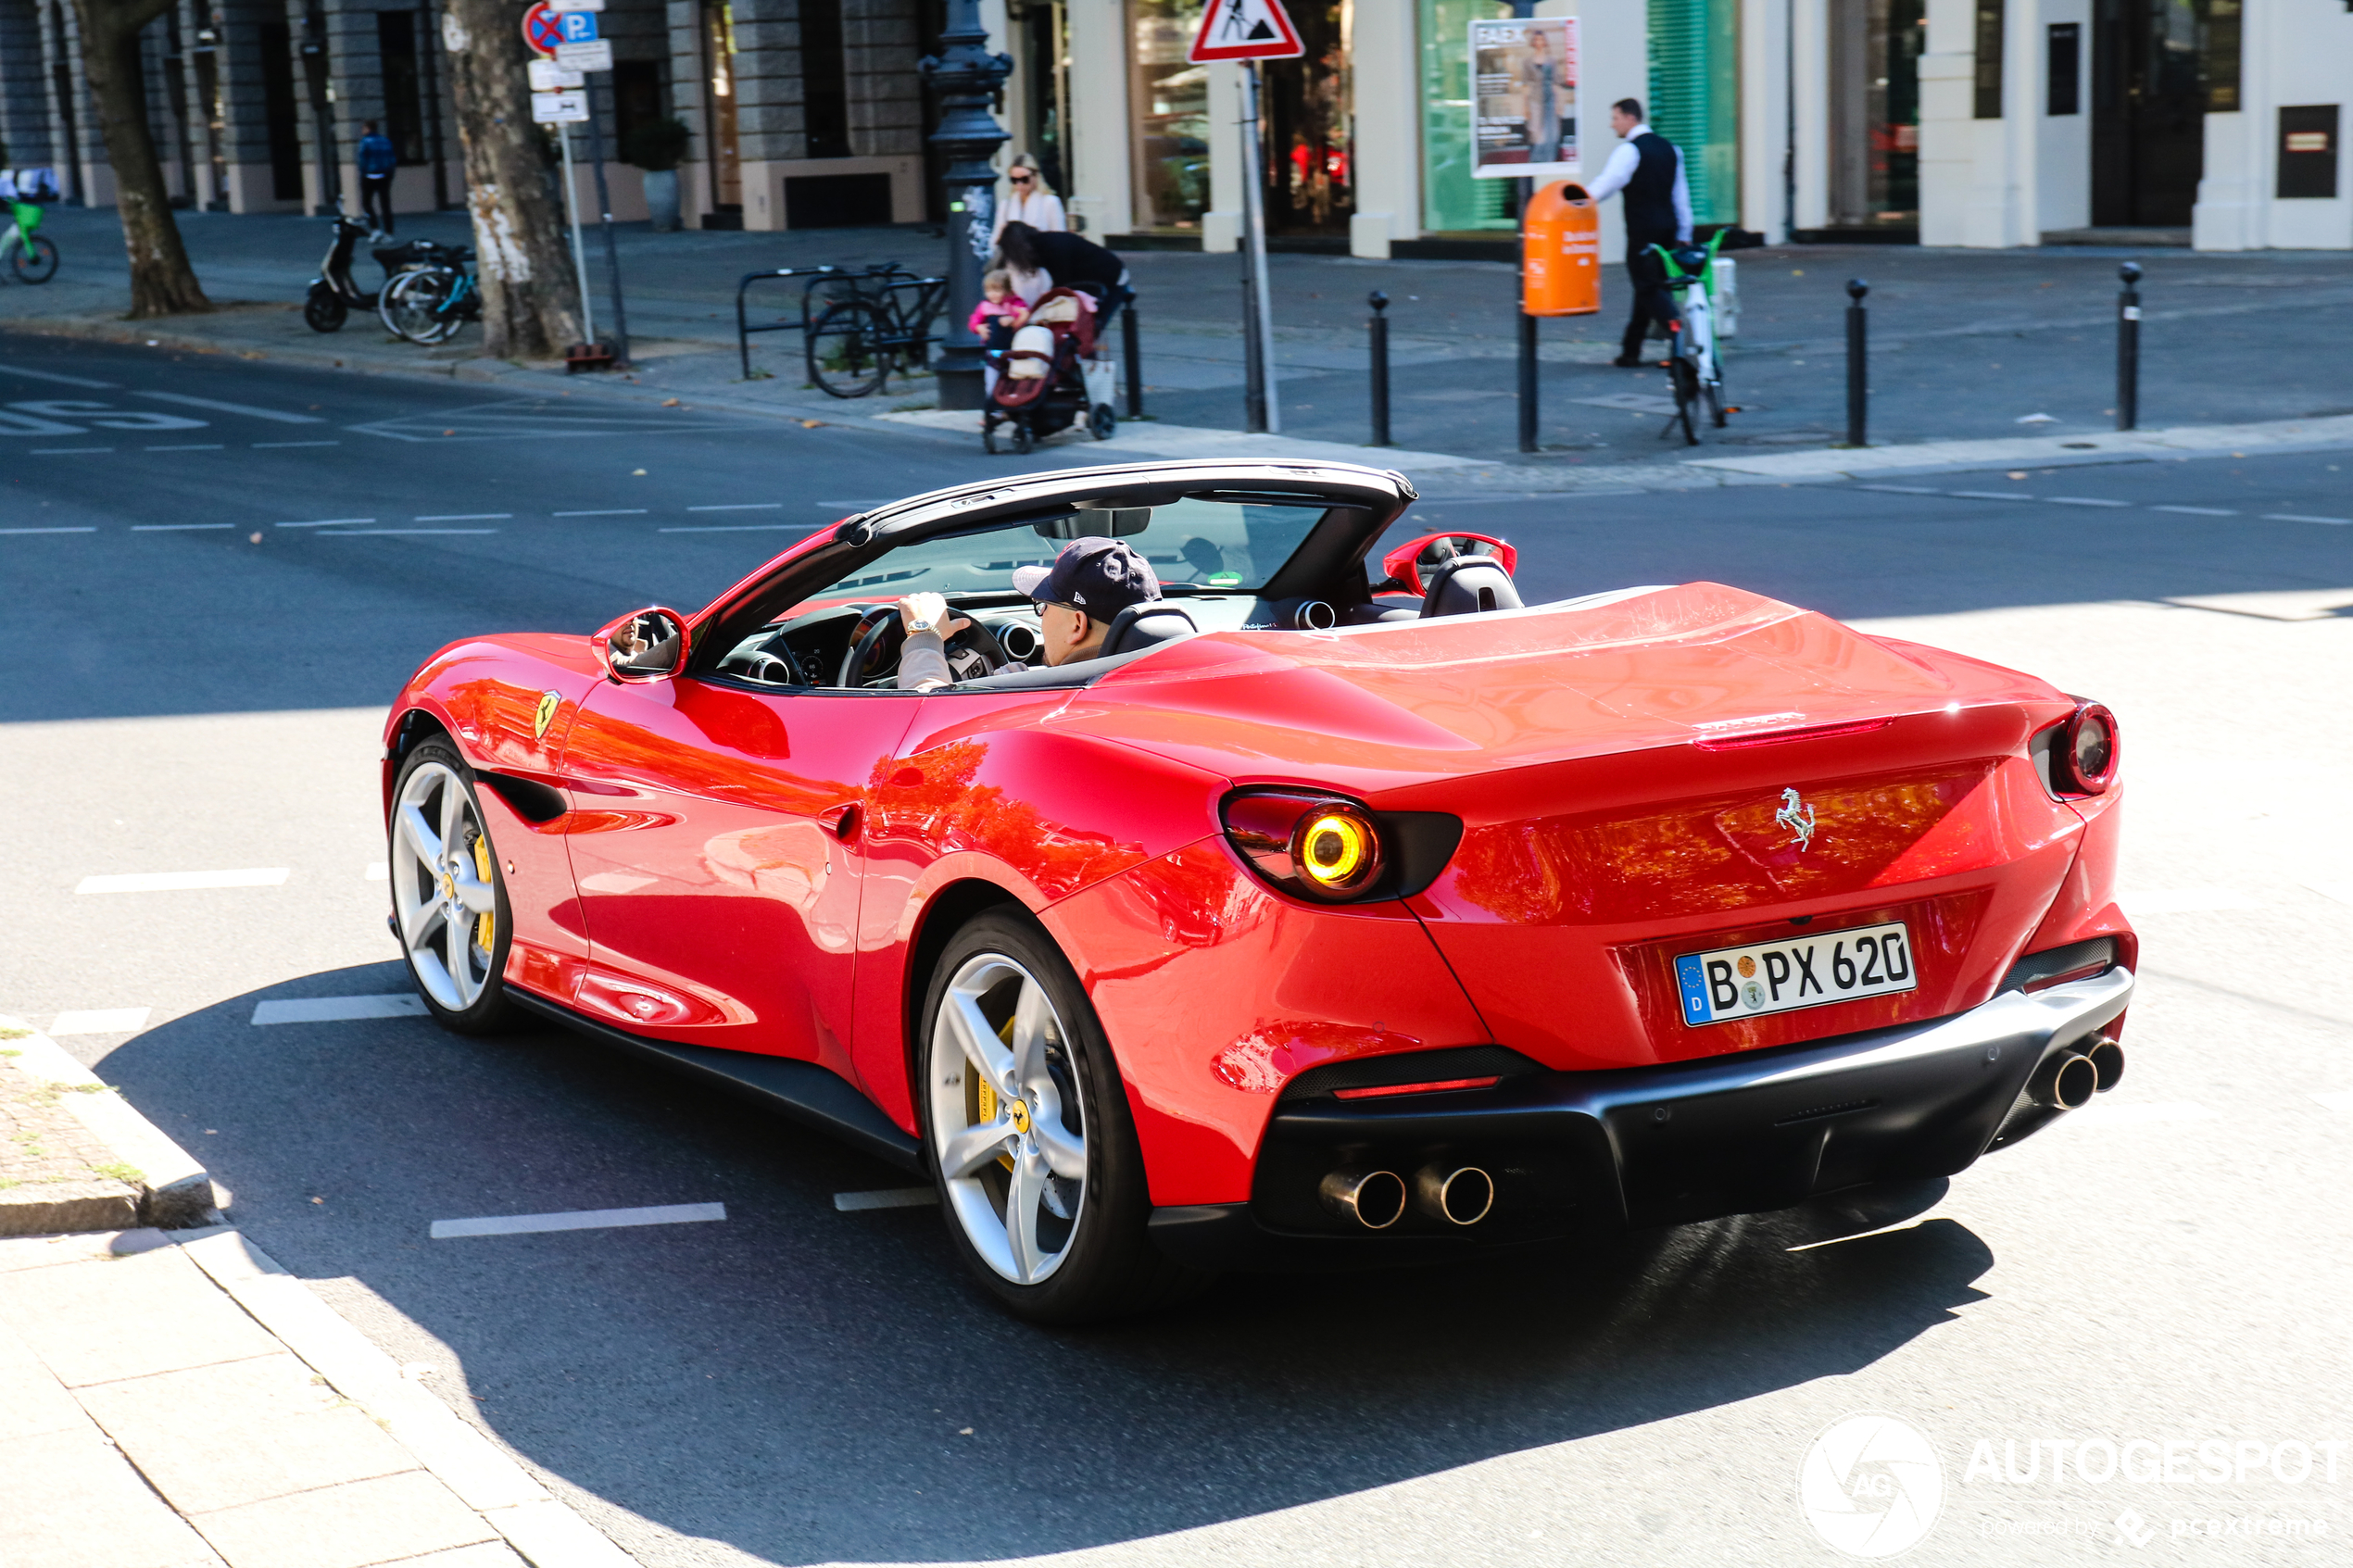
[{"x": 1216, "y": 545}]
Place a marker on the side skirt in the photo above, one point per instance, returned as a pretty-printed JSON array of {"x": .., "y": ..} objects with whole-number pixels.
[{"x": 802, "y": 1090}]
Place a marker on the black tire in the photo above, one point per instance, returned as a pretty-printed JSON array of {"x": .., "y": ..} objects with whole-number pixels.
[
  {"x": 1716, "y": 412},
  {"x": 35, "y": 258},
  {"x": 413, "y": 304},
  {"x": 489, "y": 1010},
  {"x": 1686, "y": 378},
  {"x": 1101, "y": 421},
  {"x": 844, "y": 354},
  {"x": 1106, "y": 1265},
  {"x": 325, "y": 311}
]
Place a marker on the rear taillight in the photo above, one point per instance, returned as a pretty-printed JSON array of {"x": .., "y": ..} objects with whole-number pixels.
[
  {"x": 1321, "y": 846},
  {"x": 2084, "y": 761}
]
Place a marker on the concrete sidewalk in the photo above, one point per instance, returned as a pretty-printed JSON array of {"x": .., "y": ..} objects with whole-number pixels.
[
  {"x": 1969, "y": 347},
  {"x": 172, "y": 1399}
]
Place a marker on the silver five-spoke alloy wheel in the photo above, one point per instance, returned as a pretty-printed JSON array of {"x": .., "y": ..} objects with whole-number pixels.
[
  {"x": 1007, "y": 1118},
  {"x": 443, "y": 889}
]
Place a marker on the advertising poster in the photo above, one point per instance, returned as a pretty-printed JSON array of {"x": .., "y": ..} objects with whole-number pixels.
[{"x": 1524, "y": 99}]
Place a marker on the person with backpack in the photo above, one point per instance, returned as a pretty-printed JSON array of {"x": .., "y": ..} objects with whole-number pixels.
[
  {"x": 377, "y": 162},
  {"x": 1649, "y": 169}
]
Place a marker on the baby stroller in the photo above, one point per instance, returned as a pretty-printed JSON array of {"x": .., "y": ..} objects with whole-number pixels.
[{"x": 1051, "y": 375}]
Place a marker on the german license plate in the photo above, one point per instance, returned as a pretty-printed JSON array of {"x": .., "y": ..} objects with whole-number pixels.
[{"x": 1803, "y": 971}]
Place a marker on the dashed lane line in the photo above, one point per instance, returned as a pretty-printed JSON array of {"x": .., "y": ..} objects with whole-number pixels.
[
  {"x": 377, "y": 532},
  {"x": 175, "y": 527},
  {"x": 2082, "y": 501},
  {"x": 336, "y": 1009},
  {"x": 324, "y": 522},
  {"x": 248, "y": 409},
  {"x": 465, "y": 517},
  {"x": 201, "y": 446},
  {"x": 2298, "y": 517},
  {"x": 886, "y": 1197},
  {"x": 742, "y": 507},
  {"x": 582, "y": 1219},
  {"x": 101, "y": 1020},
  {"x": 69, "y": 451},
  {"x": 1990, "y": 494},
  {"x": 179, "y": 881},
  {"x": 48, "y": 531},
  {"x": 283, "y": 446},
  {"x": 2197, "y": 511},
  {"x": 608, "y": 512}
]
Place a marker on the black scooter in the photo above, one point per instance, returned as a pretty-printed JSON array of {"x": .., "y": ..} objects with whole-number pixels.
[{"x": 332, "y": 294}]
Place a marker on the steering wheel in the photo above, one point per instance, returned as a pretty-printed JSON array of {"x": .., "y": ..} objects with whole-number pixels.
[{"x": 879, "y": 626}]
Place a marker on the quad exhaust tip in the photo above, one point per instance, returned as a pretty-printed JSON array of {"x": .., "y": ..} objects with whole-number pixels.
[
  {"x": 1375, "y": 1200},
  {"x": 1459, "y": 1196}
]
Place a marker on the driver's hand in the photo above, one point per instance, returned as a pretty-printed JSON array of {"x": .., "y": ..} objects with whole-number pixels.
[{"x": 932, "y": 608}]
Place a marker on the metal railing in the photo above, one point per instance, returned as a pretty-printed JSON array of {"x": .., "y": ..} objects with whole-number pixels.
[{"x": 743, "y": 329}]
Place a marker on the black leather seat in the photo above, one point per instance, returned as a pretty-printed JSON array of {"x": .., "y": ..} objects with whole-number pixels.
[
  {"x": 1467, "y": 585},
  {"x": 1145, "y": 625}
]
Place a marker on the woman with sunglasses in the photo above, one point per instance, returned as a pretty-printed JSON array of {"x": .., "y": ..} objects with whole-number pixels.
[{"x": 1031, "y": 201}]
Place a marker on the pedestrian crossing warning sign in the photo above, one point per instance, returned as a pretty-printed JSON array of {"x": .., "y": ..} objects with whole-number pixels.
[{"x": 1245, "y": 30}]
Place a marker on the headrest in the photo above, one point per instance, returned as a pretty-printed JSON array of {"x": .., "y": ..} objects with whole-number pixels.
[{"x": 1146, "y": 625}]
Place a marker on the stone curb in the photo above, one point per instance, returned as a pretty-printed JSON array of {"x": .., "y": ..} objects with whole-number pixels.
[
  {"x": 174, "y": 1190},
  {"x": 540, "y": 1526}
]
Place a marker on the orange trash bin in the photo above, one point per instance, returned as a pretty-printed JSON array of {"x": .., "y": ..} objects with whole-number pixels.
[{"x": 1561, "y": 253}]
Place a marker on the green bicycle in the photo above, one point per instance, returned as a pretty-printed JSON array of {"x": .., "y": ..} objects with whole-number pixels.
[
  {"x": 33, "y": 256},
  {"x": 1698, "y": 374}
]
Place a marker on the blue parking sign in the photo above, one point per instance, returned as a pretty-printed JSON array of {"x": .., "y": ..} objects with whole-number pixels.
[{"x": 579, "y": 27}]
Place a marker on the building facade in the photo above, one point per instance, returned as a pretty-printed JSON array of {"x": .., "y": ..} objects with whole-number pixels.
[{"x": 1953, "y": 122}]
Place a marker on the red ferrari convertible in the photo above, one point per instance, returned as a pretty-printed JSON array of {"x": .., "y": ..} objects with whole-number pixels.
[{"x": 1345, "y": 910}]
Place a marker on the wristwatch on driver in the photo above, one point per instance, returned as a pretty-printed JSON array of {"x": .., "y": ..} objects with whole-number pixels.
[{"x": 914, "y": 626}]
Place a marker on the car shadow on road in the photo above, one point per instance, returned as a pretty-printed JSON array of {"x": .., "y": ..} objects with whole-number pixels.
[{"x": 812, "y": 1386}]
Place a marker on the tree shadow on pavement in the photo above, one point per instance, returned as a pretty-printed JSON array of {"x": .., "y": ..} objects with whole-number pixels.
[{"x": 811, "y": 1386}]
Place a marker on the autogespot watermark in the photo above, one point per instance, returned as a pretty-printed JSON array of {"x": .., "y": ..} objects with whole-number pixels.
[{"x": 1872, "y": 1484}]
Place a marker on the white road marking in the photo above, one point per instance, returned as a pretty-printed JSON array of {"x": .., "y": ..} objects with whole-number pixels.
[
  {"x": 52, "y": 375},
  {"x": 583, "y": 1220},
  {"x": 1992, "y": 494},
  {"x": 748, "y": 528},
  {"x": 2139, "y": 1115},
  {"x": 67, "y": 451},
  {"x": 1902, "y": 489},
  {"x": 283, "y": 446},
  {"x": 2298, "y": 517},
  {"x": 324, "y": 522},
  {"x": 213, "y": 447},
  {"x": 610, "y": 512},
  {"x": 48, "y": 531},
  {"x": 2082, "y": 501},
  {"x": 2185, "y": 901},
  {"x": 362, "y": 533},
  {"x": 177, "y": 882},
  {"x": 888, "y": 1197},
  {"x": 101, "y": 1020},
  {"x": 337, "y": 1010},
  {"x": 743, "y": 507},
  {"x": 246, "y": 408},
  {"x": 175, "y": 527},
  {"x": 2336, "y": 1099},
  {"x": 378, "y": 870},
  {"x": 2197, "y": 511},
  {"x": 465, "y": 517}
]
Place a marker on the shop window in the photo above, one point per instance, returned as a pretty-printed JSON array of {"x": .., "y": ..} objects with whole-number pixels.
[
  {"x": 1309, "y": 138},
  {"x": 719, "y": 52},
  {"x": 404, "y": 120},
  {"x": 1452, "y": 201},
  {"x": 2308, "y": 153},
  {"x": 1169, "y": 100},
  {"x": 1695, "y": 100},
  {"x": 1990, "y": 17},
  {"x": 824, "y": 79},
  {"x": 2063, "y": 69},
  {"x": 1875, "y": 112},
  {"x": 278, "y": 105}
]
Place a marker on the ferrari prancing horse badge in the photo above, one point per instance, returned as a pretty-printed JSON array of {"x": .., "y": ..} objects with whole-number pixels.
[
  {"x": 548, "y": 703},
  {"x": 1798, "y": 816}
]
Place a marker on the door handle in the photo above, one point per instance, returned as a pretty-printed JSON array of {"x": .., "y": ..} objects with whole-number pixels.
[{"x": 841, "y": 821}]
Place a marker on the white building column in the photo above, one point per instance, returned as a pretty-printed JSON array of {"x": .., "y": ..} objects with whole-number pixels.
[
  {"x": 1809, "y": 23},
  {"x": 1766, "y": 65},
  {"x": 1386, "y": 129},
  {"x": 1948, "y": 130}
]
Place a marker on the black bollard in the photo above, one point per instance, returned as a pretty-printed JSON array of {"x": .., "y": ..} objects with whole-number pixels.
[
  {"x": 1859, "y": 374},
  {"x": 2127, "y": 348},
  {"x": 1379, "y": 327},
  {"x": 1527, "y": 382},
  {"x": 1131, "y": 348}
]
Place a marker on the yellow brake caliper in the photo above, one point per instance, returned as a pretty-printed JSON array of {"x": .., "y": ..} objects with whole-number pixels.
[
  {"x": 986, "y": 1099},
  {"x": 486, "y": 924}
]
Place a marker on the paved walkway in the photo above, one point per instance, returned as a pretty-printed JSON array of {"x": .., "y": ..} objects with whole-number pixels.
[{"x": 1967, "y": 347}]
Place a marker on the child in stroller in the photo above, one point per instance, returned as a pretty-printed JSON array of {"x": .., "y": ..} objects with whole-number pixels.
[{"x": 1050, "y": 374}]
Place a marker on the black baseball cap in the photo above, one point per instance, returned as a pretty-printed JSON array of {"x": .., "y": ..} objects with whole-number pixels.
[{"x": 1096, "y": 575}]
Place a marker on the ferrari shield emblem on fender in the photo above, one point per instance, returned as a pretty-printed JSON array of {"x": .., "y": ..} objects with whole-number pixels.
[
  {"x": 551, "y": 701},
  {"x": 1798, "y": 816}
]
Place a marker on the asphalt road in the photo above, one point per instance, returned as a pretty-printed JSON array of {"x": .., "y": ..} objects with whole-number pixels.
[{"x": 799, "y": 1385}]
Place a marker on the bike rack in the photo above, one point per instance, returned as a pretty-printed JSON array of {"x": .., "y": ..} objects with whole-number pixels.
[{"x": 743, "y": 329}]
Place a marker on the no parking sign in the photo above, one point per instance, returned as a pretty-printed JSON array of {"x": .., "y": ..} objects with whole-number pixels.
[{"x": 543, "y": 28}]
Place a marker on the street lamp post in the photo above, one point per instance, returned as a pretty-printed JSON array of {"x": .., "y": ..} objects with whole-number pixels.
[{"x": 966, "y": 77}]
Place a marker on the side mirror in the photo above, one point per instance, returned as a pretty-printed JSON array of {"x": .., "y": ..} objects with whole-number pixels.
[
  {"x": 1404, "y": 564},
  {"x": 647, "y": 645}
]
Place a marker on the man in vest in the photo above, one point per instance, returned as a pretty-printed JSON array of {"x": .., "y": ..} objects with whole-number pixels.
[{"x": 1649, "y": 169}]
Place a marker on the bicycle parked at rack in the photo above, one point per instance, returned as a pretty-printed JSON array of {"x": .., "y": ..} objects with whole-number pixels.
[
  {"x": 33, "y": 256},
  {"x": 428, "y": 303},
  {"x": 1693, "y": 363},
  {"x": 881, "y": 319}
]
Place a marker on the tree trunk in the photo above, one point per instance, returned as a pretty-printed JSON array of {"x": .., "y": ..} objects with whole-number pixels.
[
  {"x": 162, "y": 283},
  {"x": 530, "y": 297}
]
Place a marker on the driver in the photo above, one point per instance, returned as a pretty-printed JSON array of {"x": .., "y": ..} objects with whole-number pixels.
[{"x": 1092, "y": 580}]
